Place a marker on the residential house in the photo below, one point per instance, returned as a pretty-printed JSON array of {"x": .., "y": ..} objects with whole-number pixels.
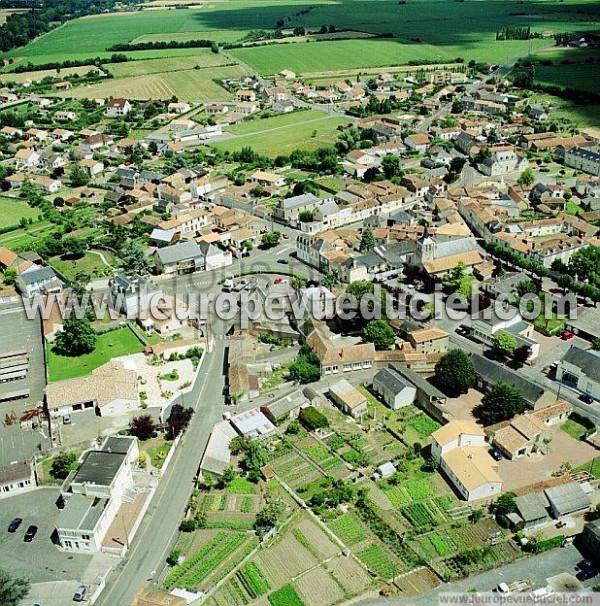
[
  {"x": 116, "y": 108},
  {"x": 583, "y": 159},
  {"x": 395, "y": 391}
]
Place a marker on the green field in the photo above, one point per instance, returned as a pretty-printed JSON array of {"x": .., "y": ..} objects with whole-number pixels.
[
  {"x": 465, "y": 29},
  {"x": 90, "y": 264},
  {"x": 12, "y": 210},
  {"x": 201, "y": 59},
  {"x": 282, "y": 134},
  {"x": 119, "y": 342},
  {"x": 188, "y": 85}
]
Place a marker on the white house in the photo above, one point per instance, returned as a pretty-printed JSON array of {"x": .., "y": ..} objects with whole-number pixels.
[
  {"x": 580, "y": 369},
  {"x": 93, "y": 495},
  {"x": 461, "y": 450},
  {"x": 16, "y": 478},
  {"x": 393, "y": 389},
  {"x": 115, "y": 108}
]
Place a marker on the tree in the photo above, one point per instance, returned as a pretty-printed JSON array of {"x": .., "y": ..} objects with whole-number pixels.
[
  {"x": 270, "y": 239},
  {"x": 367, "y": 240},
  {"x": 228, "y": 476},
  {"x": 78, "y": 177},
  {"x": 457, "y": 164},
  {"x": 305, "y": 216},
  {"x": 178, "y": 420},
  {"x": 303, "y": 371},
  {"x": 10, "y": 276},
  {"x": 380, "y": 333},
  {"x": 62, "y": 464},
  {"x": 391, "y": 166},
  {"x": 173, "y": 557},
  {"x": 504, "y": 344},
  {"x": 455, "y": 372},
  {"x": 526, "y": 178},
  {"x": 505, "y": 504},
  {"x": 237, "y": 445},
  {"x": 293, "y": 429},
  {"x": 267, "y": 518},
  {"x": 500, "y": 403},
  {"x": 596, "y": 344},
  {"x": 254, "y": 458},
  {"x": 132, "y": 253},
  {"x": 143, "y": 427},
  {"x": 12, "y": 588},
  {"x": 76, "y": 338}
]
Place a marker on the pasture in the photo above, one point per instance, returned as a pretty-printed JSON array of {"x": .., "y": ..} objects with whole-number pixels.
[
  {"x": 282, "y": 134},
  {"x": 572, "y": 68},
  {"x": 12, "y": 210}
]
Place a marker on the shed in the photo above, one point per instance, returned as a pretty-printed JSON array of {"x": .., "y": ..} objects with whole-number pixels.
[{"x": 567, "y": 499}]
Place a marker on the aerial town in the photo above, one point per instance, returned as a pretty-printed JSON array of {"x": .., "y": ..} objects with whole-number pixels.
[{"x": 323, "y": 333}]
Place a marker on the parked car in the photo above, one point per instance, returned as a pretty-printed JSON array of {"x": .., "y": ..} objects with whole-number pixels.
[
  {"x": 79, "y": 594},
  {"x": 587, "y": 399},
  {"x": 14, "y": 525},
  {"x": 566, "y": 335},
  {"x": 283, "y": 261},
  {"x": 30, "y": 533},
  {"x": 66, "y": 419},
  {"x": 496, "y": 454},
  {"x": 587, "y": 570}
]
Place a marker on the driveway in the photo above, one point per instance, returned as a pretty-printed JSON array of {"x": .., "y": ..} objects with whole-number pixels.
[
  {"x": 462, "y": 407},
  {"x": 529, "y": 470}
]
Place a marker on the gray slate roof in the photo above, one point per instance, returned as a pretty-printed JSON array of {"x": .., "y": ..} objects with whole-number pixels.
[
  {"x": 586, "y": 359},
  {"x": 391, "y": 380},
  {"x": 181, "y": 251},
  {"x": 567, "y": 498}
]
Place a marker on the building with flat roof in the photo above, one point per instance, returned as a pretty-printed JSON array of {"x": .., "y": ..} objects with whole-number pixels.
[{"x": 93, "y": 494}]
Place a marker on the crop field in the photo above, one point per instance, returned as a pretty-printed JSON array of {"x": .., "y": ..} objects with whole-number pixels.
[
  {"x": 224, "y": 35},
  {"x": 568, "y": 67},
  {"x": 12, "y": 210},
  {"x": 286, "y": 596},
  {"x": 349, "y": 529},
  {"x": 377, "y": 560},
  {"x": 202, "y": 59},
  {"x": 253, "y": 580},
  {"x": 188, "y": 85},
  {"x": 213, "y": 560},
  {"x": 282, "y": 134}
]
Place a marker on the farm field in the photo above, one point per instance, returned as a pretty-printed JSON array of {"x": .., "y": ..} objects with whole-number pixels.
[
  {"x": 112, "y": 344},
  {"x": 224, "y": 35},
  {"x": 12, "y": 210},
  {"x": 201, "y": 59},
  {"x": 582, "y": 76},
  {"x": 451, "y": 33},
  {"x": 282, "y": 134},
  {"x": 188, "y": 85}
]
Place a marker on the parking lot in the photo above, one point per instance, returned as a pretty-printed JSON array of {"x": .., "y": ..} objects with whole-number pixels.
[{"x": 39, "y": 560}]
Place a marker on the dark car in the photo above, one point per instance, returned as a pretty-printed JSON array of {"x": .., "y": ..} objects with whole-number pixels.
[
  {"x": 587, "y": 573},
  {"x": 14, "y": 525},
  {"x": 496, "y": 454},
  {"x": 283, "y": 261},
  {"x": 30, "y": 533},
  {"x": 587, "y": 399}
]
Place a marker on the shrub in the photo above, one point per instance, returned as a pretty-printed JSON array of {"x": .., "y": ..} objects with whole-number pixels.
[{"x": 312, "y": 419}]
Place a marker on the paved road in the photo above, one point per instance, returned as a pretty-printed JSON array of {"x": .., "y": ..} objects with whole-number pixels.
[
  {"x": 156, "y": 535},
  {"x": 538, "y": 568}
]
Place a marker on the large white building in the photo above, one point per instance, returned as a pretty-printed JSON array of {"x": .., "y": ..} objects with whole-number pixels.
[
  {"x": 94, "y": 494},
  {"x": 461, "y": 450}
]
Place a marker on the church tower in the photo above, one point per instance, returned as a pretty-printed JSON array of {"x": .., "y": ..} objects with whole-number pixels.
[{"x": 425, "y": 247}]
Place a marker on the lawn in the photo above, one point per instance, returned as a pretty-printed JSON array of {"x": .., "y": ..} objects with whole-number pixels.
[
  {"x": 574, "y": 429},
  {"x": 282, "y": 134},
  {"x": 240, "y": 486},
  {"x": 119, "y": 342},
  {"x": 159, "y": 454},
  {"x": 90, "y": 264},
  {"x": 593, "y": 467},
  {"x": 12, "y": 210}
]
